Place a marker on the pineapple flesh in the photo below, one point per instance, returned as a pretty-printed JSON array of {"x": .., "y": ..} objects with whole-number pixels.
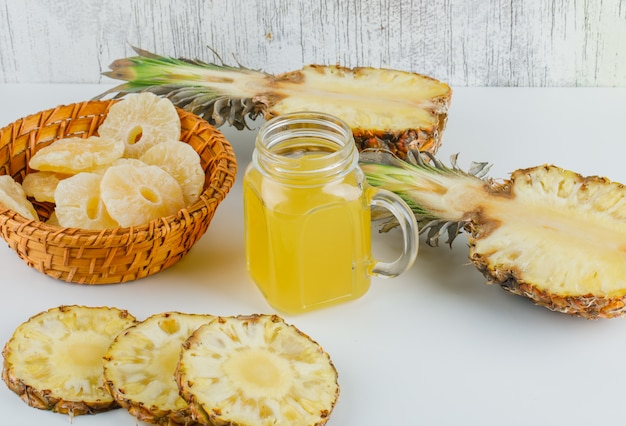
[
  {"x": 391, "y": 109},
  {"x": 53, "y": 361},
  {"x": 256, "y": 370},
  {"x": 139, "y": 367},
  {"x": 547, "y": 234}
]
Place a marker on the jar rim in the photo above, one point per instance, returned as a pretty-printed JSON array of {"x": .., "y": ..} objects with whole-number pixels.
[{"x": 284, "y": 142}]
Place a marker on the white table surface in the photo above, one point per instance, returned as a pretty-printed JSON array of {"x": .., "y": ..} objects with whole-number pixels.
[{"x": 435, "y": 346}]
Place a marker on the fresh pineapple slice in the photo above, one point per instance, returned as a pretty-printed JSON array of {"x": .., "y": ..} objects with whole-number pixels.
[
  {"x": 41, "y": 185},
  {"x": 546, "y": 233},
  {"x": 79, "y": 205},
  {"x": 393, "y": 109},
  {"x": 182, "y": 162},
  {"x": 256, "y": 370},
  {"x": 139, "y": 367},
  {"x": 136, "y": 195},
  {"x": 141, "y": 121},
  {"x": 54, "y": 362},
  {"x": 74, "y": 155},
  {"x": 13, "y": 197}
]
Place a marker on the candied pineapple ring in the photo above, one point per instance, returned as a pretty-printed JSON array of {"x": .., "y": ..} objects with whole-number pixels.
[
  {"x": 41, "y": 185},
  {"x": 136, "y": 195},
  {"x": 78, "y": 203},
  {"x": 182, "y": 162},
  {"x": 140, "y": 121},
  {"x": 74, "y": 155},
  {"x": 13, "y": 197},
  {"x": 129, "y": 161}
]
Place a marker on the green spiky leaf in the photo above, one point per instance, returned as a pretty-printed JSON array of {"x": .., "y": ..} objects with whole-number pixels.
[{"x": 421, "y": 180}]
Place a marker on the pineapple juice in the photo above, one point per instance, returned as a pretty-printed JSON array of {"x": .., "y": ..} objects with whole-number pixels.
[
  {"x": 308, "y": 246},
  {"x": 307, "y": 215}
]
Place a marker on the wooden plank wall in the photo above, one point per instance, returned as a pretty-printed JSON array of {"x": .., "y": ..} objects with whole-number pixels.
[{"x": 463, "y": 42}]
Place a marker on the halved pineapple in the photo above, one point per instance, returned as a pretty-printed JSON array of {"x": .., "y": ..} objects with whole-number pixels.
[
  {"x": 256, "y": 371},
  {"x": 53, "y": 361},
  {"x": 393, "y": 109},
  {"x": 139, "y": 367},
  {"x": 547, "y": 234},
  {"x": 141, "y": 121}
]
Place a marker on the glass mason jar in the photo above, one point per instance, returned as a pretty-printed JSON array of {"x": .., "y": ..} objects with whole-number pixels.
[{"x": 307, "y": 215}]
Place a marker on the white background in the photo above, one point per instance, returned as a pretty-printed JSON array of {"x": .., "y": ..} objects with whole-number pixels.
[{"x": 435, "y": 346}]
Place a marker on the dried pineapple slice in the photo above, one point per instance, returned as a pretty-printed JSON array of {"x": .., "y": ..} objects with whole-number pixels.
[
  {"x": 141, "y": 121},
  {"x": 53, "y": 361},
  {"x": 139, "y": 367},
  {"x": 134, "y": 196},
  {"x": 182, "y": 162},
  {"x": 256, "y": 370},
  {"x": 13, "y": 197},
  {"x": 129, "y": 161},
  {"x": 41, "y": 185},
  {"x": 79, "y": 205},
  {"x": 53, "y": 219},
  {"x": 74, "y": 155}
]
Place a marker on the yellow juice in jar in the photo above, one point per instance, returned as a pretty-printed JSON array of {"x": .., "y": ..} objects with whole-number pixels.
[{"x": 308, "y": 243}]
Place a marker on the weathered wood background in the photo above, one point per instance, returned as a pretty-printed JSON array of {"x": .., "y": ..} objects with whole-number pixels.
[{"x": 463, "y": 42}]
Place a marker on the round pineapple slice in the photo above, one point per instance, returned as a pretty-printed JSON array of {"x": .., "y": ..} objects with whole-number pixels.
[
  {"x": 256, "y": 370},
  {"x": 139, "y": 367},
  {"x": 41, "y": 185},
  {"x": 79, "y": 205},
  {"x": 74, "y": 155},
  {"x": 136, "y": 195},
  {"x": 141, "y": 120},
  {"x": 182, "y": 162},
  {"x": 53, "y": 361},
  {"x": 13, "y": 197}
]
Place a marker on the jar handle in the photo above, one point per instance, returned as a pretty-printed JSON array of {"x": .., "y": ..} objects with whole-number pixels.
[{"x": 400, "y": 209}]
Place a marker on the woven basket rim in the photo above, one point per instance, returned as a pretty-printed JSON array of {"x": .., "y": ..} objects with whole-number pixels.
[{"x": 12, "y": 218}]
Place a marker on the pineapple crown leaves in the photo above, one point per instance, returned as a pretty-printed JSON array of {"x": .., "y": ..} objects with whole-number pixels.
[
  {"x": 192, "y": 85},
  {"x": 418, "y": 174}
]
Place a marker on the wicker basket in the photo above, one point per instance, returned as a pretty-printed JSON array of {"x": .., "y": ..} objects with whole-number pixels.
[{"x": 114, "y": 255}]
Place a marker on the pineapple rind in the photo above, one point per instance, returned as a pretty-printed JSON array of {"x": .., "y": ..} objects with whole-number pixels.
[
  {"x": 40, "y": 367},
  {"x": 292, "y": 381},
  {"x": 587, "y": 306},
  {"x": 140, "y": 363}
]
